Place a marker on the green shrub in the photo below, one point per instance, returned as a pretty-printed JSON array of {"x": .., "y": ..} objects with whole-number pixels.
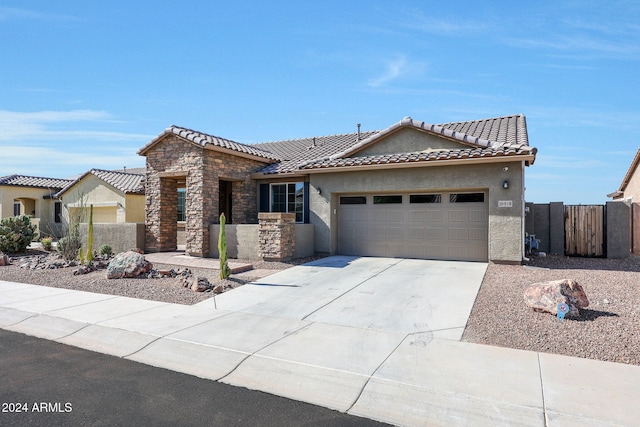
[
  {"x": 105, "y": 250},
  {"x": 16, "y": 233},
  {"x": 46, "y": 243},
  {"x": 69, "y": 246}
]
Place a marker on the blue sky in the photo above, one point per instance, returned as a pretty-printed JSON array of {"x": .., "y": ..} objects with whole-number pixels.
[{"x": 86, "y": 84}]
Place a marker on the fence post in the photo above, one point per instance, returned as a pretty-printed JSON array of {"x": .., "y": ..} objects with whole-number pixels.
[
  {"x": 556, "y": 228},
  {"x": 618, "y": 230}
]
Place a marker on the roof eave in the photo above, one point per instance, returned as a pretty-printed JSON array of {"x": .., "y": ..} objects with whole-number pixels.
[
  {"x": 630, "y": 172},
  {"x": 449, "y": 162}
]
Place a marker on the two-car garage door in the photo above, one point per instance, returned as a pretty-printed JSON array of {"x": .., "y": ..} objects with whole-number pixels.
[{"x": 439, "y": 225}]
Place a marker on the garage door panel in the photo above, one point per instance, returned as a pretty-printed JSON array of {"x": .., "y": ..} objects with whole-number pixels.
[
  {"x": 424, "y": 229},
  {"x": 478, "y": 234},
  {"x": 478, "y": 216}
]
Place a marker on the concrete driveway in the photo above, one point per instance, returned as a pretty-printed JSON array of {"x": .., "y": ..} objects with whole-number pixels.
[{"x": 387, "y": 294}]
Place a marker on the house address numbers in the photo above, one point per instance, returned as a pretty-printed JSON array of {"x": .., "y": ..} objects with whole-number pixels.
[{"x": 505, "y": 203}]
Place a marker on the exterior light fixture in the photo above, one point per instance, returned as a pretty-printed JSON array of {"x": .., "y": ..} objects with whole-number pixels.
[{"x": 505, "y": 184}]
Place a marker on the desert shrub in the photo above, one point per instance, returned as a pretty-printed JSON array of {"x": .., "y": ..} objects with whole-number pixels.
[
  {"x": 16, "y": 233},
  {"x": 69, "y": 246},
  {"x": 46, "y": 243},
  {"x": 105, "y": 250}
]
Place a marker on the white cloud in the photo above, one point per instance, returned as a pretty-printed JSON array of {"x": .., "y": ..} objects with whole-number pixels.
[
  {"x": 43, "y": 126},
  {"x": 394, "y": 69}
]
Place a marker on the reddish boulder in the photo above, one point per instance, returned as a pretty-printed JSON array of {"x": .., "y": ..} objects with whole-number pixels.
[{"x": 546, "y": 296}]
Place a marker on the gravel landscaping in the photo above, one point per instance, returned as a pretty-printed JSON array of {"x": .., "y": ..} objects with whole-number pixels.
[
  {"x": 158, "y": 289},
  {"x": 609, "y": 329}
]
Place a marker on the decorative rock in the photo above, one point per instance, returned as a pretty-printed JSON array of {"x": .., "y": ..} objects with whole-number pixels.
[
  {"x": 128, "y": 264},
  {"x": 4, "y": 259},
  {"x": 547, "y": 295},
  {"x": 218, "y": 289}
]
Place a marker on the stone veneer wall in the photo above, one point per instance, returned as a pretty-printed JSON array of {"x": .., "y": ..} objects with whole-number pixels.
[
  {"x": 277, "y": 236},
  {"x": 172, "y": 159}
]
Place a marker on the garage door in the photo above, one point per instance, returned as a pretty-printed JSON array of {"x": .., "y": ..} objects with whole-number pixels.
[{"x": 443, "y": 225}]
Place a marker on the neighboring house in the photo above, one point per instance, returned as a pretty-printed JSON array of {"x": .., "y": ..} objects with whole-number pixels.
[
  {"x": 116, "y": 196},
  {"x": 629, "y": 190},
  {"x": 449, "y": 191},
  {"x": 33, "y": 196}
]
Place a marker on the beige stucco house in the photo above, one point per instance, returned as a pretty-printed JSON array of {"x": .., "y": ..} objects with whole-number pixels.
[
  {"x": 116, "y": 196},
  {"x": 450, "y": 191},
  {"x": 33, "y": 196},
  {"x": 629, "y": 189}
]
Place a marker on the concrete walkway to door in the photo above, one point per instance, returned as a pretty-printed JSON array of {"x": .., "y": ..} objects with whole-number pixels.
[{"x": 386, "y": 294}]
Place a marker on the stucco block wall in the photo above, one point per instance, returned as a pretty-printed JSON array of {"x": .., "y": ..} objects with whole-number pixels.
[
  {"x": 618, "y": 229},
  {"x": 121, "y": 237},
  {"x": 174, "y": 158},
  {"x": 243, "y": 241},
  {"x": 505, "y": 224}
]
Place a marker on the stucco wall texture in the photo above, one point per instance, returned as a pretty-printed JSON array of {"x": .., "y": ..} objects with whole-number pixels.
[{"x": 505, "y": 224}]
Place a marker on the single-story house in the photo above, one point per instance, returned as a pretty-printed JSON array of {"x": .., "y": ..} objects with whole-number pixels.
[
  {"x": 629, "y": 189},
  {"x": 452, "y": 191},
  {"x": 116, "y": 196},
  {"x": 33, "y": 196}
]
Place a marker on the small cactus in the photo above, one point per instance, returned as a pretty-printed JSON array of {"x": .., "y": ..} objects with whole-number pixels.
[{"x": 225, "y": 271}]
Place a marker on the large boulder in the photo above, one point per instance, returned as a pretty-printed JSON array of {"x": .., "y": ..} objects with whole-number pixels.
[
  {"x": 128, "y": 264},
  {"x": 546, "y": 296}
]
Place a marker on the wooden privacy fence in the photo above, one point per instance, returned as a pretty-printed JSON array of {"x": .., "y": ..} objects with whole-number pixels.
[{"x": 584, "y": 230}]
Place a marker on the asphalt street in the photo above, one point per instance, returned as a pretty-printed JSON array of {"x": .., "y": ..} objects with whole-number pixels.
[{"x": 44, "y": 383}]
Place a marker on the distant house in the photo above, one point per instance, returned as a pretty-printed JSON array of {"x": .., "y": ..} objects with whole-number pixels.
[
  {"x": 629, "y": 189},
  {"x": 116, "y": 196},
  {"x": 33, "y": 196},
  {"x": 450, "y": 191}
]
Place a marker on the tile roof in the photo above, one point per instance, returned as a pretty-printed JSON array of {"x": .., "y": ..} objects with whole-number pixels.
[
  {"x": 128, "y": 183},
  {"x": 421, "y": 156},
  {"x": 494, "y": 137},
  {"x": 205, "y": 140},
  {"x": 35, "y": 182},
  {"x": 297, "y": 151}
]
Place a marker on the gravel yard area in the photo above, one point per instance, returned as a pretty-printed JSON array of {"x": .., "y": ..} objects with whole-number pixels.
[
  {"x": 608, "y": 330},
  {"x": 160, "y": 289}
]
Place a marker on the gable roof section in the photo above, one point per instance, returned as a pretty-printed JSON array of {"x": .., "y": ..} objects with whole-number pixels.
[
  {"x": 35, "y": 182},
  {"x": 127, "y": 183},
  {"x": 625, "y": 181},
  {"x": 494, "y": 137},
  {"x": 213, "y": 142}
]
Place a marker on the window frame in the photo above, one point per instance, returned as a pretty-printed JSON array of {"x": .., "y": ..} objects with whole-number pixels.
[
  {"x": 289, "y": 201},
  {"x": 182, "y": 194},
  {"x": 17, "y": 207}
]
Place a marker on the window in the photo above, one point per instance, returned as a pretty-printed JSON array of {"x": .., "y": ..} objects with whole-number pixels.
[
  {"x": 353, "y": 200},
  {"x": 466, "y": 198},
  {"x": 16, "y": 209},
  {"x": 385, "y": 200},
  {"x": 182, "y": 198},
  {"x": 425, "y": 198},
  {"x": 289, "y": 198},
  {"x": 57, "y": 212}
]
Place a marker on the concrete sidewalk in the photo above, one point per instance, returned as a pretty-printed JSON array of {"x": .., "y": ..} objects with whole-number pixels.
[{"x": 328, "y": 348}]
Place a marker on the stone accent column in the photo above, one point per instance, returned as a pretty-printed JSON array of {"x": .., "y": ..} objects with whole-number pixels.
[{"x": 277, "y": 236}]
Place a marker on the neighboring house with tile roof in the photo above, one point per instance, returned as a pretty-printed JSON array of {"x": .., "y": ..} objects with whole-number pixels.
[
  {"x": 33, "y": 196},
  {"x": 116, "y": 196},
  {"x": 416, "y": 190},
  {"x": 629, "y": 189}
]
